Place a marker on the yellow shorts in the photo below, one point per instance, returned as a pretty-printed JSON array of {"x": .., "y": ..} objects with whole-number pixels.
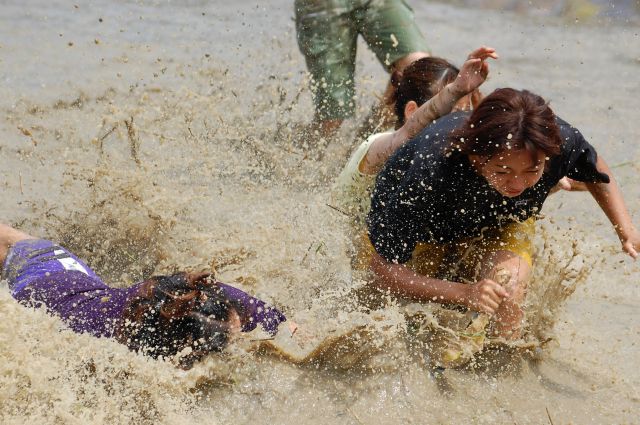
[{"x": 460, "y": 259}]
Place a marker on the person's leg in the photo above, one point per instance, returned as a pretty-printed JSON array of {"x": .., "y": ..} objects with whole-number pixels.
[
  {"x": 9, "y": 237},
  {"x": 327, "y": 39},
  {"x": 513, "y": 272},
  {"x": 504, "y": 256},
  {"x": 390, "y": 30},
  {"x": 440, "y": 331}
]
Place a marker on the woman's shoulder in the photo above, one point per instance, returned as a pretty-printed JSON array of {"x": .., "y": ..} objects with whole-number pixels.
[
  {"x": 436, "y": 134},
  {"x": 572, "y": 139},
  {"x": 360, "y": 152},
  {"x": 372, "y": 138},
  {"x": 567, "y": 131}
]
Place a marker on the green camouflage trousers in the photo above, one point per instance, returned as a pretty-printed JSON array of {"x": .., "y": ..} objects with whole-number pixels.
[{"x": 327, "y": 32}]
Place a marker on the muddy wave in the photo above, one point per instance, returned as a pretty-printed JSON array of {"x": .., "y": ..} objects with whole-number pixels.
[{"x": 165, "y": 150}]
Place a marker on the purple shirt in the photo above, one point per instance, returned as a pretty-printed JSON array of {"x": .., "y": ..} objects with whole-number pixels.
[
  {"x": 82, "y": 302},
  {"x": 42, "y": 274},
  {"x": 257, "y": 310}
]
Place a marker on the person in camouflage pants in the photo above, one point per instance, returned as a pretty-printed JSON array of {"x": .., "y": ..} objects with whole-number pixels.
[{"x": 327, "y": 32}]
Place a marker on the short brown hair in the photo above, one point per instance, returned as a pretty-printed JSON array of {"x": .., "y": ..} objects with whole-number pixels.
[
  {"x": 419, "y": 82},
  {"x": 508, "y": 118}
]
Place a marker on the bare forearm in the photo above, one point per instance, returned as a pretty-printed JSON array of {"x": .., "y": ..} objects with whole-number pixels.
[
  {"x": 403, "y": 281},
  {"x": 9, "y": 237},
  {"x": 609, "y": 198},
  {"x": 439, "y": 105},
  {"x": 473, "y": 73}
]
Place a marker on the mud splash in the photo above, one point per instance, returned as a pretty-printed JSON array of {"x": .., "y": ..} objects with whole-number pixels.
[
  {"x": 126, "y": 220},
  {"x": 197, "y": 168}
]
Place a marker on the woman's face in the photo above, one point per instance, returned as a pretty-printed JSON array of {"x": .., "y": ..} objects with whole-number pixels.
[{"x": 512, "y": 171}]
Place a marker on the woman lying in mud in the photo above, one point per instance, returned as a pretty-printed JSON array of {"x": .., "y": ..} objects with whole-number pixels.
[
  {"x": 183, "y": 317},
  {"x": 453, "y": 212}
]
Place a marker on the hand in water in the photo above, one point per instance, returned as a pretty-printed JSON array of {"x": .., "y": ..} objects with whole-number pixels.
[
  {"x": 293, "y": 327},
  {"x": 301, "y": 335},
  {"x": 631, "y": 244},
  {"x": 474, "y": 71},
  {"x": 485, "y": 296}
]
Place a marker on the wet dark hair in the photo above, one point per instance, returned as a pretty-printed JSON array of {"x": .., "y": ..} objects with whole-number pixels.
[
  {"x": 420, "y": 81},
  {"x": 508, "y": 119},
  {"x": 170, "y": 313}
]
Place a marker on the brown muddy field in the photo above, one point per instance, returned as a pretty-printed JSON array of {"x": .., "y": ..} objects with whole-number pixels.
[{"x": 152, "y": 136}]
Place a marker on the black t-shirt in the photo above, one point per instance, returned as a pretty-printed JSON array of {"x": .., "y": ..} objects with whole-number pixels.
[{"x": 426, "y": 195}]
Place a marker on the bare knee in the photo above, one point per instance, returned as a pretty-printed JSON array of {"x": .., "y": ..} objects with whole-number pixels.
[
  {"x": 513, "y": 272},
  {"x": 508, "y": 269}
]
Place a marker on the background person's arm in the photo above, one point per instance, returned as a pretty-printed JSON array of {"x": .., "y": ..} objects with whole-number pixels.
[
  {"x": 609, "y": 198},
  {"x": 473, "y": 73}
]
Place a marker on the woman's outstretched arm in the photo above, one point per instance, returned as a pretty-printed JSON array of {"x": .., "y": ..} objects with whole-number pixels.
[
  {"x": 609, "y": 198},
  {"x": 485, "y": 296}
]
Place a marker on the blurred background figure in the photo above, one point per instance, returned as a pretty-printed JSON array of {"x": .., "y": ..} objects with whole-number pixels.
[
  {"x": 618, "y": 11},
  {"x": 327, "y": 32}
]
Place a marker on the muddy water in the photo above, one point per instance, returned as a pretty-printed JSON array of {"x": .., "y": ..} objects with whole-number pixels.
[{"x": 151, "y": 136}]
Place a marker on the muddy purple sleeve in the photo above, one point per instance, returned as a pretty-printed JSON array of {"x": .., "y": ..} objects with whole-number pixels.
[{"x": 256, "y": 311}]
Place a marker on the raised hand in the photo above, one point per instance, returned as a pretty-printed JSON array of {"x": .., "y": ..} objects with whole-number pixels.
[
  {"x": 474, "y": 71},
  {"x": 483, "y": 53}
]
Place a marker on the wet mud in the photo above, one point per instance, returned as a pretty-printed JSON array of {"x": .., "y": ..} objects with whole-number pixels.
[{"x": 149, "y": 137}]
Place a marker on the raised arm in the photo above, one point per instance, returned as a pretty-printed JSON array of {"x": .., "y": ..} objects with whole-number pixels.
[
  {"x": 9, "y": 237},
  {"x": 473, "y": 73},
  {"x": 609, "y": 198}
]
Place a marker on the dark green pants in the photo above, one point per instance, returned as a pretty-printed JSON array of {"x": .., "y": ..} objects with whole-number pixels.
[{"x": 327, "y": 32}]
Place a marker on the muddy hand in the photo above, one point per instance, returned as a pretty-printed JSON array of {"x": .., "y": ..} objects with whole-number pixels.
[
  {"x": 474, "y": 71},
  {"x": 485, "y": 296}
]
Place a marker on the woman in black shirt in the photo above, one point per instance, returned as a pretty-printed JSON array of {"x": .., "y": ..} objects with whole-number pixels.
[{"x": 457, "y": 204}]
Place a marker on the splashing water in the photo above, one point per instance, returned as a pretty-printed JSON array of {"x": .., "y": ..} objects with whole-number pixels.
[{"x": 204, "y": 166}]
